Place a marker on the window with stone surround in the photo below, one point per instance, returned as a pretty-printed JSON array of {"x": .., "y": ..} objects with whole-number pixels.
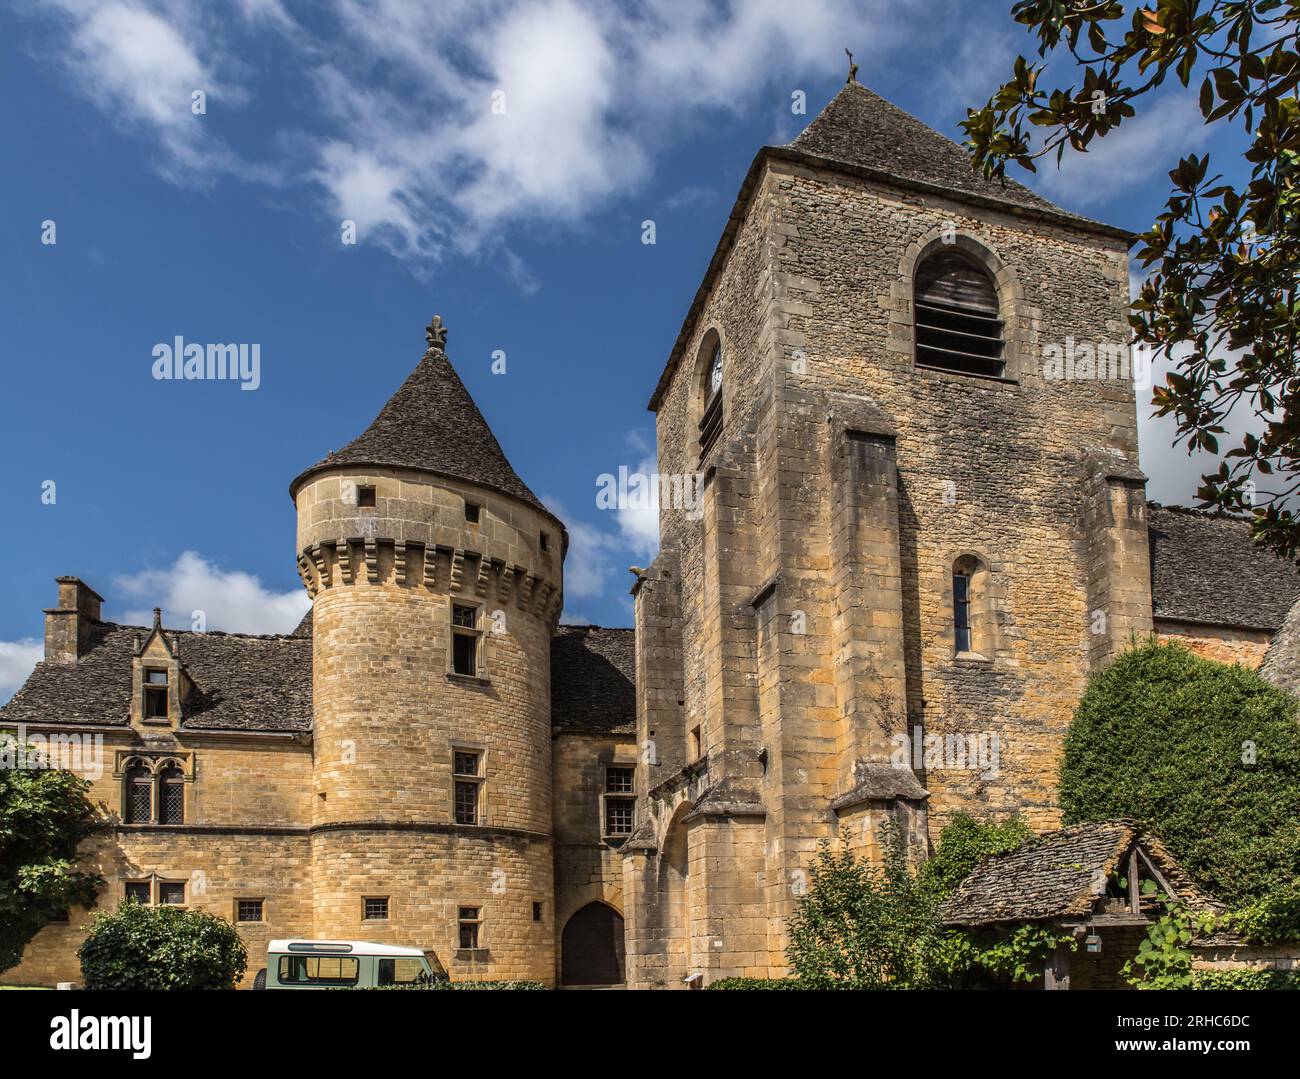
[
  {"x": 137, "y": 795},
  {"x": 957, "y": 315},
  {"x": 153, "y": 792},
  {"x": 619, "y": 802},
  {"x": 469, "y": 924},
  {"x": 972, "y": 618},
  {"x": 365, "y": 496},
  {"x": 249, "y": 910},
  {"x": 467, "y": 779},
  {"x": 138, "y": 891},
  {"x": 171, "y": 893},
  {"x": 465, "y": 639},
  {"x": 710, "y": 393},
  {"x": 374, "y": 908},
  {"x": 155, "y": 694},
  {"x": 172, "y": 796}
]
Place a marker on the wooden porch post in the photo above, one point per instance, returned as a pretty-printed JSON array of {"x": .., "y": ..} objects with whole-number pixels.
[{"x": 1056, "y": 975}]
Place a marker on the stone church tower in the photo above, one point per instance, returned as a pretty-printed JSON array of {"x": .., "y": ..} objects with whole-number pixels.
[
  {"x": 913, "y": 542},
  {"x": 436, "y": 582}
]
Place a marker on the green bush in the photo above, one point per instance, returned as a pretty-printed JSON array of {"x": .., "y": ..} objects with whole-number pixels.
[
  {"x": 1275, "y": 919},
  {"x": 963, "y": 844},
  {"x": 1205, "y": 754},
  {"x": 860, "y": 926},
  {"x": 139, "y": 947},
  {"x": 757, "y": 983},
  {"x": 1245, "y": 979},
  {"x": 443, "y": 983}
]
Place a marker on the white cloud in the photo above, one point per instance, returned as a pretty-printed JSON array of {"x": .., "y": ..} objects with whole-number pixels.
[
  {"x": 1149, "y": 143},
  {"x": 17, "y": 658},
  {"x": 229, "y": 599},
  {"x": 403, "y": 137},
  {"x": 140, "y": 65},
  {"x": 638, "y": 521}
]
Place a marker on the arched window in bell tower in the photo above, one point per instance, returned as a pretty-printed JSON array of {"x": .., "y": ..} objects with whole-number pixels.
[{"x": 957, "y": 315}]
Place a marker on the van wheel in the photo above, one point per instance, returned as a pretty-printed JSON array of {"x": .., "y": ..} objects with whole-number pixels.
[{"x": 259, "y": 979}]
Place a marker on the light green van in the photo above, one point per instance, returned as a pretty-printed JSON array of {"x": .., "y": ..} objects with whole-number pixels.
[{"x": 344, "y": 964}]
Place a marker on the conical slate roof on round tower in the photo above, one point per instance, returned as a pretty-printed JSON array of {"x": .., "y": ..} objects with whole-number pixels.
[
  {"x": 433, "y": 425},
  {"x": 859, "y": 127}
]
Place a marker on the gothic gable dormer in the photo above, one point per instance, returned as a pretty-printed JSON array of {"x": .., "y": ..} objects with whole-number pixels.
[{"x": 159, "y": 683}]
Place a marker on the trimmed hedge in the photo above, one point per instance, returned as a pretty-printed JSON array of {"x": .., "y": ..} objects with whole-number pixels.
[
  {"x": 444, "y": 984},
  {"x": 1205, "y": 754},
  {"x": 757, "y": 983}
]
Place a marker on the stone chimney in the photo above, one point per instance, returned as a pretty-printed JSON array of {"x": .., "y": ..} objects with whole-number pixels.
[{"x": 67, "y": 626}]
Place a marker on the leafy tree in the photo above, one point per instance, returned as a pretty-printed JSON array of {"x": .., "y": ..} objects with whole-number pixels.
[
  {"x": 1220, "y": 302},
  {"x": 860, "y": 926},
  {"x": 44, "y": 815},
  {"x": 864, "y": 927},
  {"x": 140, "y": 947},
  {"x": 1205, "y": 754}
]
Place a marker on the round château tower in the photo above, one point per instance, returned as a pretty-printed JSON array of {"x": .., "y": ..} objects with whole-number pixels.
[{"x": 436, "y": 579}]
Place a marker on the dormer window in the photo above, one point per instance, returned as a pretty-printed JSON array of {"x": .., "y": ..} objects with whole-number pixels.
[
  {"x": 957, "y": 315},
  {"x": 155, "y": 695}
]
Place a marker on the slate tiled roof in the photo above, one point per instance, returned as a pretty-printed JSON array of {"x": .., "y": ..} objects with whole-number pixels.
[
  {"x": 859, "y": 127},
  {"x": 593, "y": 679},
  {"x": 432, "y": 424},
  {"x": 241, "y": 682},
  {"x": 1204, "y": 568},
  {"x": 1059, "y": 875}
]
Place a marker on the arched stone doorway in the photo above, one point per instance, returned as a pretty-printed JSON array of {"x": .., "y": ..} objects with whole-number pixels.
[{"x": 591, "y": 947}]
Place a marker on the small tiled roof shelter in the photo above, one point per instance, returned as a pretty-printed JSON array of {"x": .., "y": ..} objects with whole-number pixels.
[{"x": 1070, "y": 878}]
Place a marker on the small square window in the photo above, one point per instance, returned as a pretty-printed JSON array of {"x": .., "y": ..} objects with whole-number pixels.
[
  {"x": 618, "y": 780},
  {"x": 618, "y": 816},
  {"x": 463, "y": 616},
  {"x": 248, "y": 910},
  {"x": 472, "y": 512},
  {"x": 156, "y": 678},
  {"x": 138, "y": 891},
  {"x": 171, "y": 893},
  {"x": 375, "y": 908},
  {"x": 466, "y": 764},
  {"x": 365, "y": 496}
]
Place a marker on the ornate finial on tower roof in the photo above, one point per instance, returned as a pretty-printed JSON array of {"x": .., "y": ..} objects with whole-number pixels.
[
  {"x": 436, "y": 334},
  {"x": 853, "y": 69},
  {"x": 157, "y": 618}
]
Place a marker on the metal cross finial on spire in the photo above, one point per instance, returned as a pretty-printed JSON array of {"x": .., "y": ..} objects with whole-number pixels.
[
  {"x": 853, "y": 69},
  {"x": 436, "y": 334}
]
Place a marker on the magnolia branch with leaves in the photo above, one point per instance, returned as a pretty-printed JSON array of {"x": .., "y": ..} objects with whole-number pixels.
[{"x": 1219, "y": 298}]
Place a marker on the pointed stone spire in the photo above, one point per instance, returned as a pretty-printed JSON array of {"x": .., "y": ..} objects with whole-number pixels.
[
  {"x": 860, "y": 128},
  {"x": 431, "y": 424}
]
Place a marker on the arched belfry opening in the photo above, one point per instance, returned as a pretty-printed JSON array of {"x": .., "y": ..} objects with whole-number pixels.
[
  {"x": 591, "y": 947},
  {"x": 957, "y": 313}
]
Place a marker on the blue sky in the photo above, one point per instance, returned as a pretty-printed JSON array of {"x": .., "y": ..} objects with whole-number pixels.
[{"x": 522, "y": 228}]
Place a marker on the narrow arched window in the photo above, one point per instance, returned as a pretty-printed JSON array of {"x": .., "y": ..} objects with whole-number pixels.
[
  {"x": 711, "y": 394},
  {"x": 171, "y": 796},
  {"x": 137, "y": 795},
  {"x": 972, "y": 622},
  {"x": 957, "y": 316}
]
